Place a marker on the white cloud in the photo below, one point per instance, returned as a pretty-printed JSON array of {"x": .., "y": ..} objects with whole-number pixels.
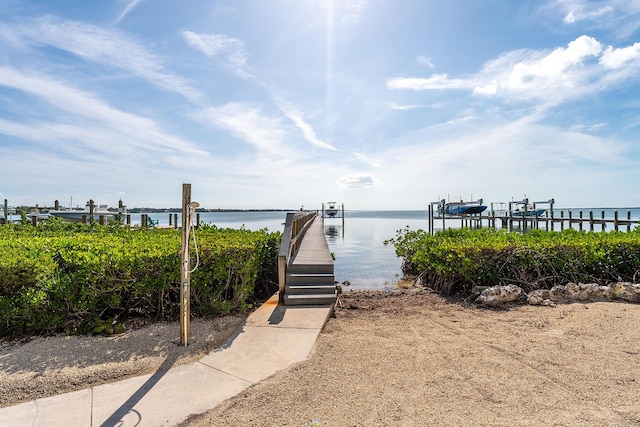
[
  {"x": 298, "y": 119},
  {"x": 131, "y": 4},
  {"x": 617, "y": 58},
  {"x": 581, "y": 68},
  {"x": 109, "y": 47},
  {"x": 231, "y": 50},
  {"x": 246, "y": 122},
  {"x": 436, "y": 81},
  {"x": 93, "y": 115},
  {"x": 353, "y": 11},
  {"x": 356, "y": 181},
  {"x": 425, "y": 60}
]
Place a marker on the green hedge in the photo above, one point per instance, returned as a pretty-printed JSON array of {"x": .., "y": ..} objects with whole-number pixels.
[
  {"x": 454, "y": 261},
  {"x": 65, "y": 277}
]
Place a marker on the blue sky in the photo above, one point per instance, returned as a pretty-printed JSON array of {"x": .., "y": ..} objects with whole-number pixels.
[{"x": 377, "y": 104}]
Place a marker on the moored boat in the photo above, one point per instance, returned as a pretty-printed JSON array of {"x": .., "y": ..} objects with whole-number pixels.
[
  {"x": 331, "y": 210},
  {"x": 461, "y": 208},
  {"x": 77, "y": 215}
]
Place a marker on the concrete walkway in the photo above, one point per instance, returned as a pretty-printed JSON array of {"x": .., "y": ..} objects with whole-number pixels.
[{"x": 272, "y": 338}]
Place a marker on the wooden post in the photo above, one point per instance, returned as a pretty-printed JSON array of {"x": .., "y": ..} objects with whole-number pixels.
[
  {"x": 84, "y": 218},
  {"x": 56, "y": 205},
  {"x": 170, "y": 223},
  {"x": 629, "y": 220},
  {"x": 175, "y": 221},
  {"x": 590, "y": 220},
  {"x": 185, "y": 288},
  {"x": 6, "y": 211},
  {"x": 570, "y": 219},
  {"x": 120, "y": 211},
  {"x": 604, "y": 223},
  {"x": 551, "y": 208},
  {"x": 615, "y": 220},
  {"x": 143, "y": 220},
  {"x": 129, "y": 220},
  {"x": 561, "y": 220},
  {"x": 580, "y": 223},
  {"x": 91, "y": 208}
]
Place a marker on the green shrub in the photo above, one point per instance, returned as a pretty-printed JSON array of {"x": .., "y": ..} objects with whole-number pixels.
[
  {"x": 61, "y": 276},
  {"x": 454, "y": 261}
]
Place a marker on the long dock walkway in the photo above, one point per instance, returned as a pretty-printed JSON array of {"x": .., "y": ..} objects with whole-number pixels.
[
  {"x": 309, "y": 275},
  {"x": 272, "y": 338}
]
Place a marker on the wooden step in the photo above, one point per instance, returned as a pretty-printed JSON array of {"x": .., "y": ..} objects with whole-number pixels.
[
  {"x": 310, "y": 299},
  {"x": 309, "y": 289},
  {"x": 310, "y": 279},
  {"x": 310, "y": 268}
]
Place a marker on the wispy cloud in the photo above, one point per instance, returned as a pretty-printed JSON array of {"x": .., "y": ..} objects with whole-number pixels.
[
  {"x": 357, "y": 181},
  {"x": 297, "y": 117},
  {"x": 230, "y": 50},
  {"x": 353, "y": 10},
  {"x": 618, "y": 16},
  {"x": 71, "y": 104},
  {"x": 425, "y": 60},
  {"x": 247, "y": 123},
  {"x": 106, "y": 46},
  {"x": 131, "y": 4}
]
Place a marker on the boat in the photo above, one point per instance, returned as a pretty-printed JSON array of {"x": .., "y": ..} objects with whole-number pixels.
[
  {"x": 461, "y": 208},
  {"x": 527, "y": 210},
  {"x": 331, "y": 210},
  {"x": 77, "y": 215}
]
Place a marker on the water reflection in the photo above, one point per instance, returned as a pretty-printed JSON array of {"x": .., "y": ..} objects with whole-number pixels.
[{"x": 333, "y": 232}]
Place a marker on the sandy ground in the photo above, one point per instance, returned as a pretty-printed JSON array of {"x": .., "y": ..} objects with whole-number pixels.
[
  {"x": 45, "y": 366},
  {"x": 414, "y": 358},
  {"x": 405, "y": 358}
]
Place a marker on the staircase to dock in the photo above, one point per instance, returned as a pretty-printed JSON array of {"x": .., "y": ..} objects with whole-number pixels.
[{"x": 305, "y": 264}]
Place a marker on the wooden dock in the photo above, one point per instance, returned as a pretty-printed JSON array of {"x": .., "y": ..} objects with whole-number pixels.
[
  {"x": 305, "y": 265},
  {"x": 550, "y": 221}
]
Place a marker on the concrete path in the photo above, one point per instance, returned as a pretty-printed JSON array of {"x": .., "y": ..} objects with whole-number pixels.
[{"x": 272, "y": 338}]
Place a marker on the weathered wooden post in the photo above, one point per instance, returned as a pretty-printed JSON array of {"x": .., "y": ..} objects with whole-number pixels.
[
  {"x": 561, "y": 220},
  {"x": 120, "y": 211},
  {"x": 570, "y": 219},
  {"x": 628, "y": 220},
  {"x": 590, "y": 220},
  {"x": 580, "y": 223},
  {"x": 551, "y": 208},
  {"x": 91, "y": 210},
  {"x": 615, "y": 220},
  {"x": 170, "y": 223},
  {"x": 185, "y": 288},
  {"x": 6, "y": 211},
  {"x": 175, "y": 221},
  {"x": 56, "y": 205},
  {"x": 604, "y": 223}
]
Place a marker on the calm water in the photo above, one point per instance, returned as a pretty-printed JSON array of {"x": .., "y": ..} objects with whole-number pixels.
[{"x": 361, "y": 256}]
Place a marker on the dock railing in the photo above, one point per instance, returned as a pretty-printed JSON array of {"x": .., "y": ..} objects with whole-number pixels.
[{"x": 295, "y": 226}]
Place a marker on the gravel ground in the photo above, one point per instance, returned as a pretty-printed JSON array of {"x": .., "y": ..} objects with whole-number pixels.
[
  {"x": 413, "y": 358},
  {"x": 405, "y": 358},
  {"x": 45, "y": 366}
]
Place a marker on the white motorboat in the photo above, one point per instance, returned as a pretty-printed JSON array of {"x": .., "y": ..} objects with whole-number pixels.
[
  {"x": 331, "y": 210},
  {"x": 77, "y": 215}
]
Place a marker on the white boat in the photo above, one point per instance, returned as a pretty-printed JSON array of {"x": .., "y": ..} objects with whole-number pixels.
[
  {"x": 331, "y": 210},
  {"x": 77, "y": 215}
]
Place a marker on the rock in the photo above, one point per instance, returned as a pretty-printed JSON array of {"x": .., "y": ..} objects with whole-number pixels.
[
  {"x": 627, "y": 291},
  {"x": 538, "y": 296},
  {"x": 583, "y": 292},
  {"x": 498, "y": 295}
]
